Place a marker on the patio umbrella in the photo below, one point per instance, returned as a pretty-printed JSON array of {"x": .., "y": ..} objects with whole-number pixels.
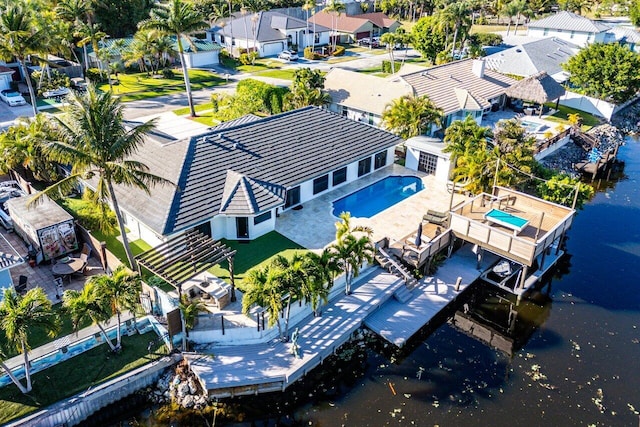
[{"x": 419, "y": 236}]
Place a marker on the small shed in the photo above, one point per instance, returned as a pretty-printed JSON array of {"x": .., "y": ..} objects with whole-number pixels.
[
  {"x": 539, "y": 88},
  {"x": 48, "y": 228}
]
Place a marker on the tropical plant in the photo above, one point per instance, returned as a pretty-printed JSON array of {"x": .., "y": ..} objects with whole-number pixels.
[
  {"x": 307, "y": 6},
  {"x": 514, "y": 147},
  {"x": 562, "y": 189},
  {"x": 307, "y": 89},
  {"x": 390, "y": 40},
  {"x": 178, "y": 18},
  {"x": 23, "y": 147},
  {"x": 88, "y": 304},
  {"x": 92, "y": 137},
  {"x": 320, "y": 270},
  {"x": 350, "y": 250},
  {"x": 410, "y": 116},
  {"x": 634, "y": 12},
  {"x": 263, "y": 288},
  {"x": 21, "y": 35},
  {"x": 336, "y": 8},
  {"x": 20, "y": 317},
  {"x": 292, "y": 281},
  {"x": 120, "y": 291},
  {"x": 456, "y": 16},
  {"x": 428, "y": 38},
  {"x": 605, "y": 71},
  {"x": 190, "y": 310}
]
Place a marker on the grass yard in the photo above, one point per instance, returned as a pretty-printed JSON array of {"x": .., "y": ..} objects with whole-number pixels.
[
  {"x": 199, "y": 108},
  {"x": 562, "y": 115},
  {"x": 74, "y": 206},
  {"x": 261, "y": 64},
  {"x": 142, "y": 86},
  {"x": 256, "y": 253},
  {"x": 78, "y": 374},
  {"x": 276, "y": 74},
  {"x": 38, "y": 337}
]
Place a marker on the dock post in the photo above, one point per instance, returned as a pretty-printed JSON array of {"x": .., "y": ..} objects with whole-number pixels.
[
  {"x": 458, "y": 283},
  {"x": 222, "y": 322}
]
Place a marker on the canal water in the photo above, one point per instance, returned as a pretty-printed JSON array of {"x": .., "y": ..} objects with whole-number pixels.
[{"x": 572, "y": 352}]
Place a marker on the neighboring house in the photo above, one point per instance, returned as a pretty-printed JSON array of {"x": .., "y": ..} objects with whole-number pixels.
[
  {"x": 269, "y": 33},
  {"x": 570, "y": 27},
  {"x": 626, "y": 36},
  {"x": 362, "y": 97},
  {"x": 6, "y": 77},
  {"x": 204, "y": 54},
  {"x": 425, "y": 154},
  {"x": 531, "y": 58},
  {"x": 233, "y": 181},
  {"x": 351, "y": 28},
  {"x": 460, "y": 88}
]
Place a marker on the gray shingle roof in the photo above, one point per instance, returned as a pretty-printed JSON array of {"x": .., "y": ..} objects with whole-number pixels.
[
  {"x": 569, "y": 21},
  {"x": 283, "y": 150},
  {"x": 530, "y": 58},
  {"x": 440, "y": 83},
  {"x": 266, "y": 28},
  {"x": 244, "y": 195}
]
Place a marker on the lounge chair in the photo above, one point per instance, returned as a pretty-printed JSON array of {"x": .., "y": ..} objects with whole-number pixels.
[{"x": 437, "y": 218}]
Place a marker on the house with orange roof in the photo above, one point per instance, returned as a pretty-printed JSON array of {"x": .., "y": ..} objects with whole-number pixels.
[{"x": 351, "y": 28}]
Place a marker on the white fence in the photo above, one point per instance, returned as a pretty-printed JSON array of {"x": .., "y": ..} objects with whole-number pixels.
[{"x": 594, "y": 106}]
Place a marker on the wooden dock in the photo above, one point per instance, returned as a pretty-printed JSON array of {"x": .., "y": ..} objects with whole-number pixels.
[
  {"x": 397, "y": 322},
  {"x": 251, "y": 369}
]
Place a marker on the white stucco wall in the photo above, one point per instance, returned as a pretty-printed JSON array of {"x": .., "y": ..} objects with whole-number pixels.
[
  {"x": 200, "y": 59},
  {"x": 5, "y": 81},
  {"x": 576, "y": 37},
  {"x": 443, "y": 164}
]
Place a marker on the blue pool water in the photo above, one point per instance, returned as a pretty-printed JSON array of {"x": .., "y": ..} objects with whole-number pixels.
[{"x": 380, "y": 195}]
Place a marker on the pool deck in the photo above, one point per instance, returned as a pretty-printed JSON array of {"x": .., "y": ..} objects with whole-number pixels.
[{"x": 313, "y": 225}]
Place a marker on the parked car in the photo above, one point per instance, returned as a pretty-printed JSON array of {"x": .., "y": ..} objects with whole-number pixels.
[
  {"x": 288, "y": 55},
  {"x": 374, "y": 42},
  {"x": 78, "y": 84},
  {"x": 12, "y": 97}
]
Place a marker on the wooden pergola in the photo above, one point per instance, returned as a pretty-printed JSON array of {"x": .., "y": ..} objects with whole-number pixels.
[{"x": 182, "y": 257}]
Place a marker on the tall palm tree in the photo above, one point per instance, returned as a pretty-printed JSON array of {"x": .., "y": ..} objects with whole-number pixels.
[
  {"x": 92, "y": 137},
  {"x": 121, "y": 291},
  {"x": 87, "y": 304},
  {"x": 390, "y": 40},
  {"x": 75, "y": 12},
  {"x": 350, "y": 251},
  {"x": 307, "y": 6},
  {"x": 90, "y": 34},
  {"x": 458, "y": 16},
  {"x": 178, "y": 18},
  {"x": 410, "y": 116},
  {"x": 264, "y": 289},
  {"x": 21, "y": 36},
  {"x": 320, "y": 270},
  {"x": 20, "y": 316},
  {"x": 335, "y": 7}
]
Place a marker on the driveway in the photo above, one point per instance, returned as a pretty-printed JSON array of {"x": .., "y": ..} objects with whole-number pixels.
[{"x": 9, "y": 114}]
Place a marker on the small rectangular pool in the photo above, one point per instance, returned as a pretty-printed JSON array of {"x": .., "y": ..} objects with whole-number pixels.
[{"x": 374, "y": 198}]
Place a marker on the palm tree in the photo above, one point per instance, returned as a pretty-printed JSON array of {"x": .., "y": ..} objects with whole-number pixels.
[
  {"x": 264, "y": 289},
  {"x": 75, "y": 12},
  {"x": 510, "y": 10},
  {"x": 190, "y": 310},
  {"x": 350, "y": 252},
  {"x": 21, "y": 36},
  {"x": 178, "y": 18},
  {"x": 90, "y": 34},
  {"x": 121, "y": 291},
  {"x": 87, "y": 304},
  {"x": 390, "y": 40},
  {"x": 411, "y": 116},
  {"x": 93, "y": 139},
  {"x": 458, "y": 16},
  {"x": 320, "y": 271},
  {"x": 335, "y": 7},
  {"x": 20, "y": 316}
]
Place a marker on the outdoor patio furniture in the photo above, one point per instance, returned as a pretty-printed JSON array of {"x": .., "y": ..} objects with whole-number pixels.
[
  {"x": 435, "y": 217},
  {"x": 67, "y": 266}
]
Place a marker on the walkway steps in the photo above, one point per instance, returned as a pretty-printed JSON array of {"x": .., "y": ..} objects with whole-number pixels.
[
  {"x": 251, "y": 369},
  {"x": 403, "y": 295},
  {"x": 398, "y": 321}
]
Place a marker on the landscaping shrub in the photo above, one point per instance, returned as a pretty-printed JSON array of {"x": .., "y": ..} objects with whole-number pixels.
[
  {"x": 245, "y": 59},
  {"x": 386, "y": 67},
  {"x": 339, "y": 51},
  {"x": 94, "y": 76},
  {"x": 486, "y": 39},
  {"x": 215, "y": 103},
  {"x": 309, "y": 53},
  {"x": 168, "y": 73},
  {"x": 91, "y": 216}
]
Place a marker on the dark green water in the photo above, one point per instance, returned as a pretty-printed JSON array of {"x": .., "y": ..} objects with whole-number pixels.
[{"x": 577, "y": 358}]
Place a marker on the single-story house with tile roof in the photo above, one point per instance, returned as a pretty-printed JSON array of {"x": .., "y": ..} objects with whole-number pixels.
[
  {"x": 268, "y": 32},
  {"x": 626, "y": 36},
  {"x": 234, "y": 180},
  {"x": 362, "y": 97},
  {"x": 570, "y": 27},
  {"x": 351, "y": 28},
  {"x": 460, "y": 88},
  {"x": 198, "y": 53},
  {"x": 527, "y": 59}
]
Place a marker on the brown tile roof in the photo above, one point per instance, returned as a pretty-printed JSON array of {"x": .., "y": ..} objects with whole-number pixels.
[
  {"x": 442, "y": 84},
  {"x": 379, "y": 19}
]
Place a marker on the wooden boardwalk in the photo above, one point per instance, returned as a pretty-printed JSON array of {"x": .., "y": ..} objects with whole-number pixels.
[
  {"x": 397, "y": 322},
  {"x": 251, "y": 369}
]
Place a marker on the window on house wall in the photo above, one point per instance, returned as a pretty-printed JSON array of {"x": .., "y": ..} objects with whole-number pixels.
[
  {"x": 573, "y": 33},
  {"x": 320, "y": 184},
  {"x": 380, "y": 160},
  {"x": 546, "y": 32},
  {"x": 427, "y": 163},
  {"x": 204, "y": 228},
  {"x": 339, "y": 176},
  {"x": 370, "y": 118},
  {"x": 242, "y": 227},
  {"x": 345, "y": 111},
  {"x": 316, "y": 37},
  {"x": 262, "y": 218},
  {"x": 293, "y": 197},
  {"x": 364, "y": 166}
]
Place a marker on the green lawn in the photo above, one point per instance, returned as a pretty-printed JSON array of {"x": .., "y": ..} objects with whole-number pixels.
[
  {"x": 73, "y": 206},
  {"x": 261, "y": 64},
  {"x": 257, "y": 252},
  {"x": 77, "y": 374},
  {"x": 199, "y": 107},
  {"x": 38, "y": 337},
  {"x": 142, "y": 86},
  {"x": 562, "y": 115},
  {"x": 276, "y": 74}
]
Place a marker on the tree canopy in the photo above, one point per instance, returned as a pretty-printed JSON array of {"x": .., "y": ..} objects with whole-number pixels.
[
  {"x": 410, "y": 116},
  {"x": 605, "y": 71},
  {"x": 428, "y": 39}
]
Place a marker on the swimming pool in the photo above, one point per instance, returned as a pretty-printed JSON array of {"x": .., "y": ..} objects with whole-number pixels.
[
  {"x": 380, "y": 195},
  {"x": 533, "y": 127}
]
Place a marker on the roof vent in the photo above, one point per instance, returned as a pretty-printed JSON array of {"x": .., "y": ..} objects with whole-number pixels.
[
  {"x": 424, "y": 73},
  {"x": 234, "y": 146}
]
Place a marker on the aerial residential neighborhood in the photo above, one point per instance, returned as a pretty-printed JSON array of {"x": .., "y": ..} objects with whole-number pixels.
[{"x": 294, "y": 213}]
